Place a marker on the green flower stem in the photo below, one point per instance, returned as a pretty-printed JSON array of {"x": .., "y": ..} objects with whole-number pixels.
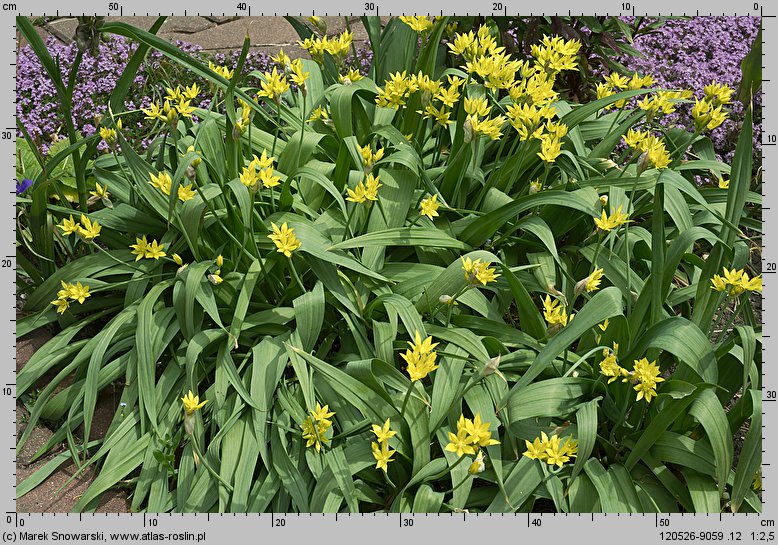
[
  {"x": 296, "y": 276},
  {"x": 596, "y": 253},
  {"x": 740, "y": 306},
  {"x": 278, "y": 127},
  {"x": 208, "y": 467},
  {"x": 722, "y": 306},
  {"x": 463, "y": 481},
  {"x": 407, "y": 397},
  {"x": 129, "y": 265},
  {"x": 622, "y": 413},
  {"x": 448, "y": 469}
]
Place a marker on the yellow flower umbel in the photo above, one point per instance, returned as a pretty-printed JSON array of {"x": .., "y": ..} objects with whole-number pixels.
[
  {"x": 101, "y": 192},
  {"x": 338, "y": 46},
  {"x": 607, "y": 223},
  {"x": 223, "y": 71},
  {"x": 723, "y": 184},
  {"x": 706, "y": 116},
  {"x": 383, "y": 433},
  {"x": 590, "y": 283},
  {"x": 191, "y": 404},
  {"x": 365, "y": 191},
  {"x": 143, "y": 249},
  {"x": 350, "y": 77},
  {"x": 555, "y": 315},
  {"x": 380, "y": 447},
  {"x": 735, "y": 282},
  {"x": 555, "y": 54},
  {"x": 609, "y": 366},
  {"x": 419, "y": 24},
  {"x": 298, "y": 75},
  {"x": 316, "y": 425},
  {"x": 284, "y": 238},
  {"x": 70, "y": 293},
  {"x": 478, "y": 271},
  {"x": 647, "y": 376},
  {"x": 429, "y": 207},
  {"x": 551, "y": 449},
  {"x": 108, "y": 135},
  {"x": 471, "y": 435},
  {"x": 370, "y": 158},
  {"x": 273, "y": 86},
  {"x": 164, "y": 183},
  {"x": 382, "y": 454},
  {"x": 88, "y": 229},
  {"x": 420, "y": 357}
]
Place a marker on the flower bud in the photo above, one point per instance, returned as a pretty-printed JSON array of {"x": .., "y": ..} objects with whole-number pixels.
[
  {"x": 535, "y": 187},
  {"x": 467, "y": 127},
  {"x": 492, "y": 365},
  {"x": 189, "y": 423},
  {"x": 219, "y": 260},
  {"x": 445, "y": 299},
  {"x": 478, "y": 465},
  {"x": 603, "y": 200},
  {"x": 643, "y": 163}
]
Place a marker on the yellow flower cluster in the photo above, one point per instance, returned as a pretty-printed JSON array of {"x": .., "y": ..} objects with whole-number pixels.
[
  {"x": 400, "y": 86},
  {"x": 380, "y": 447},
  {"x": 175, "y": 105},
  {"x": 663, "y": 101},
  {"x": 529, "y": 84},
  {"x": 365, "y": 191},
  {"x": 320, "y": 114},
  {"x": 109, "y": 135},
  {"x": 471, "y": 435},
  {"x": 87, "y": 229},
  {"x": 615, "y": 83},
  {"x": 298, "y": 75},
  {"x": 419, "y": 24},
  {"x": 101, "y": 191},
  {"x": 551, "y": 449},
  {"x": 735, "y": 282},
  {"x": 242, "y": 123},
  {"x": 164, "y": 183},
  {"x": 644, "y": 374},
  {"x": 70, "y": 293},
  {"x": 555, "y": 314},
  {"x": 438, "y": 100},
  {"x": 590, "y": 283},
  {"x": 370, "y": 157},
  {"x": 273, "y": 86},
  {"x": 708, "y": 113},
  {"x": 429, "y": 207},
  {"x": 555, "y": 54},
  {"x": 477, "y": 108},
  {"x": 143, "y": 249},
  {"x": 223, "y": 71},
  {"x": 478, "y": 271},
  {"x": 337, "y": 46},
  {"x": 420, "y": 357},
  {"x": 284, "y": 238},
  {"x": 260, "y": 169},
  {"x": 607, "y": 223},
  {"x": 653, "y": 148},
  {"x": 316, "y": 425},
  {"x": 350, "y": 77}
]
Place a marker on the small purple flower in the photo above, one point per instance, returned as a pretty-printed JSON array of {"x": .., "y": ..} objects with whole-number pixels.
[{"x": 23, "y": 186}]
